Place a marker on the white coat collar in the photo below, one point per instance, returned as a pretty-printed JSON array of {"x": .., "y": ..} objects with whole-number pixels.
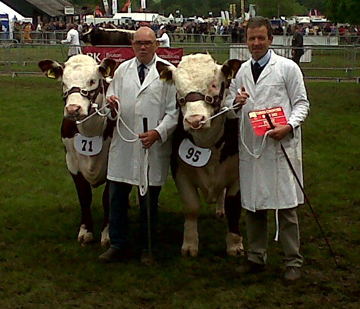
[
  {"x": 267, "y": 70},
  {"x": 151, "y": 76}
]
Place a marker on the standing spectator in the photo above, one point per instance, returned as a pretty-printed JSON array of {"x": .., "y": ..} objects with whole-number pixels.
[
  {"x": 72, "y": 38},
  {"x": 212, "y": 31},
  {"x": 164, "y": 39},
  {"x": 268, "y": 80},
  {"x": 39, "y": 32},
  {"x": 155, "y": 100},
  {"x": 235, "y": 33},
  {"x": 1, "y": 31},
  {"x": 27, "y": 32},
  {"x": 298, "y": 44}
]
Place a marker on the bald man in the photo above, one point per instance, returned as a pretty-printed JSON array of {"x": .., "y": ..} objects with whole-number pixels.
[{"x": 139, "y": 92}]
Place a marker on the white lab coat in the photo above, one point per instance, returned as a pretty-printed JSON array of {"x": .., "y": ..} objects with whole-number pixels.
[
  {"x": 155, "y": 100},
  {"x": 164, "y": 40},
  {"x": 72, "y": 38},
  {"x": 267, "y": 182}
]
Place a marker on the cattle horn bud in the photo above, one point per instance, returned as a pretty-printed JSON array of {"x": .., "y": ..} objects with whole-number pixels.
[{"x": 230, "y": 68}]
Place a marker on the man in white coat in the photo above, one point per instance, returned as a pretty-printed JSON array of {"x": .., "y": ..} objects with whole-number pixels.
[
  {"x": 164, "y": 39},
  {"x": 72, "y": 38},
  {"x": 269, "y": 82},
  {"x": 137, "y": 95}
]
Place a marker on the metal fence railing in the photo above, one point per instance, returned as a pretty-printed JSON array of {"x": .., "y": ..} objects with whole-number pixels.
[{"x": 336, "y": 62}]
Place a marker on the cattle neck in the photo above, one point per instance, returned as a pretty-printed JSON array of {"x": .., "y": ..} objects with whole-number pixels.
[
  {"x": 210, "y": 137},
  {"x": 93, "y": 126}
]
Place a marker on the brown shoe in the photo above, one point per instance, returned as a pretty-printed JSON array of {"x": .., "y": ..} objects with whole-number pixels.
[
  {"x": 292, "y": 273},
  {"x": 249, "y": 267}
]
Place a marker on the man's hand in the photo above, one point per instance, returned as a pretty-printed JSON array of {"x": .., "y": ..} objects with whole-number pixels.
[
  {"x": 112, "y": 100},
  {"x": 280, "y": 131},
  {"x": 241, "y": 97},
  {"x": 148, "y": 138}
]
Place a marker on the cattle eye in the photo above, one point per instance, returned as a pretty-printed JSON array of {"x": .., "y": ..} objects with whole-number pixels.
[
  {"x": 84, "y": 92},
  {"x": 214, "y": 86},
  {"x": 182, "y": 101},
  {"x": 209, "y": 99},
  {"x": 92, "y": 82}
]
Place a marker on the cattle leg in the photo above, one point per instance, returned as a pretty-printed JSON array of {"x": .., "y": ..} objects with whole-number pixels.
[
  {"x": 191, "y": 208},
  {"x": 234, "y": 240},
  {"x": 105, "y": 238},
  {"x": 84, "y": 192},
  {"x": 220, "y": 211}
]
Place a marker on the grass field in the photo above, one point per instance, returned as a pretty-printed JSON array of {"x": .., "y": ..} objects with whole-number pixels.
[{"x": 42, "y": 266}]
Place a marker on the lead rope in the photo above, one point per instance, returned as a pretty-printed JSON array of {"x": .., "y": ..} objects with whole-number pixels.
[
  {"x": 144, "y": 183},
  {"x": 143, "y": 187},
  {"x": 95, "y": 106}
]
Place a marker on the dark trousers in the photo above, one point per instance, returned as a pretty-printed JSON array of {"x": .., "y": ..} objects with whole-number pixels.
[
  {"x": 296, "y": 56},
  {"x": 119, "y": 222}
]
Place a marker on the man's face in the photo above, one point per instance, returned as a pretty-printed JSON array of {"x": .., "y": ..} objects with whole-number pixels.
[
  {"x": 258, "y": 41},
  {"x": 144, "y": 45}
]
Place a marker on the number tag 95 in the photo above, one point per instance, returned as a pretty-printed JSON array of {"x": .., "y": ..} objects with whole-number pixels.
[
  {"x": 88, "y": 146},
  {"x": 194, "y": 155}
]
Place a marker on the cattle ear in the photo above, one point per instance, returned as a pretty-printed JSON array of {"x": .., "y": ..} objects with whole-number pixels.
[
  {"x": 51, "y": 68},
  {"x": 230, "y": 68},
  {"x": 107, "y": 67},
  {"x": 165, "y": 71}
]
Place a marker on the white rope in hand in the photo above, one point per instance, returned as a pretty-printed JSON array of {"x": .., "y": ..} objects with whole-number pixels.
[
  {"x": 144, "y": 181},
  {"x": 242, "y": 138}
]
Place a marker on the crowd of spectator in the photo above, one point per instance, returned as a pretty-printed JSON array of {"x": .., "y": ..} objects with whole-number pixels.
[{"x": 232, "y": 32}]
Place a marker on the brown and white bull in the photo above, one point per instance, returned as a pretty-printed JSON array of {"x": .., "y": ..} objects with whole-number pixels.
[
  {"x": 87, "y": 143},
  {"x": 205, "y": 153}
]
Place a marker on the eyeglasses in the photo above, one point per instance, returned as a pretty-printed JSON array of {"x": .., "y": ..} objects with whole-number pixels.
[{"x": 145, "y": 43}]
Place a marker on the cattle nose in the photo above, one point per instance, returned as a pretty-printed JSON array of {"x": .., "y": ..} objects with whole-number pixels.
[
  {"x": 195, "y": 122},
  {"x": 72, "y": 109}
]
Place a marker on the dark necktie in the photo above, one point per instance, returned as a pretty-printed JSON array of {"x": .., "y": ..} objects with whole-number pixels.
[
  {"x": 142, "y": 73},
  {"x": 256, "y": 71}
]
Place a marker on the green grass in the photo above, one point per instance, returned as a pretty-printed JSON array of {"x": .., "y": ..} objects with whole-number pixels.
[{"x": 42, "y": 266}]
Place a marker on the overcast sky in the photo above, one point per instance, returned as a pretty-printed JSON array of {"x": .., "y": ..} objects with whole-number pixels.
[{"x": 5, "y": 9}]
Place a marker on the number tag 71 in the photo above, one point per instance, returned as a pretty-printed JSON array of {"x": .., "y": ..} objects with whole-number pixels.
[
  {"x": 194, "y": 155},
  {"x": 88, "y": 146}
]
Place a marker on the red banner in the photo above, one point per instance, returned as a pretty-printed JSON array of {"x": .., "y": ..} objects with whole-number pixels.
[{"x": 120, "y": 54}]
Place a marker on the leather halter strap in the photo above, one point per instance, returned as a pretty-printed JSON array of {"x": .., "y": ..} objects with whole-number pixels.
[{"x": 197, "y": 96}]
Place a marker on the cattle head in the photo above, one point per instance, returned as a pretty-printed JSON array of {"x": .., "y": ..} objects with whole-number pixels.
[
  {"x": 82, "y": 80},
  {"x": 201, "y": 86}
]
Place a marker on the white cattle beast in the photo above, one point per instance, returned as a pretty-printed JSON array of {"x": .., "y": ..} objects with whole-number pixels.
[
  {"x": 205, "y": 152},
  {"x": 86, "y": 143}
]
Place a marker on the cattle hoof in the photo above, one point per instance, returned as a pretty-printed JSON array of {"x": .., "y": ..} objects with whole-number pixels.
[
  {"x": 84, "y": 236},
  {"x": 220, "y": 215},
  {"x": 188, "y": 252},
  {"x": 105, "y": 238},
  {"x": 235, "y": 245}
]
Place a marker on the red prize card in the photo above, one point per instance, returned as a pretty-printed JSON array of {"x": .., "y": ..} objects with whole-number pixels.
[{"x": 259, "y": 122}]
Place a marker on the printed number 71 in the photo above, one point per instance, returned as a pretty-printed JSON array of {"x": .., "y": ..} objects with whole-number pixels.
[{"x": 87, "y": 144}]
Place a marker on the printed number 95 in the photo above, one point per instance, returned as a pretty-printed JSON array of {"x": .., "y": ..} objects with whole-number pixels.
[{"x": 193, "y": 155}]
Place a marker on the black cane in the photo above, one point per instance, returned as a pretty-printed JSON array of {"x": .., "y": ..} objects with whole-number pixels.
[
  {"x": 303, "y": 190},
  {"x": 147, "y": 196}
]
